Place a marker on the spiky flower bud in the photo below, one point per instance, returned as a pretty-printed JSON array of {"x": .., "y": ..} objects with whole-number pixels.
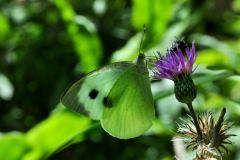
[{"x": 214, "y": 136}]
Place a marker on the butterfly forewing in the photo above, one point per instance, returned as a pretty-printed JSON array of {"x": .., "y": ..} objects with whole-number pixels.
[{"x": 87, "y": 95}]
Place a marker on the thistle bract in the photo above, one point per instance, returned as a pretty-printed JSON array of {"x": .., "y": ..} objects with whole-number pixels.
[{"x": 177, "y": 65}]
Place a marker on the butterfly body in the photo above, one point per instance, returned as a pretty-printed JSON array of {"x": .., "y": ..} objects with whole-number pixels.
[{"x": 118, "y": 95}]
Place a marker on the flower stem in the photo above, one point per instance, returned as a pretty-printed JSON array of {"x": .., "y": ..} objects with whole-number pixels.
[{"x": 195, "y": 120}]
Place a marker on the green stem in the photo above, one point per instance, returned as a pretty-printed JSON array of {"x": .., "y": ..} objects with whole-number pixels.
[{"x": 195, "y": 120}]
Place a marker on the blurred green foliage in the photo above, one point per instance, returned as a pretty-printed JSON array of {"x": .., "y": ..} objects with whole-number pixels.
[{"x": 46, "y": 45}]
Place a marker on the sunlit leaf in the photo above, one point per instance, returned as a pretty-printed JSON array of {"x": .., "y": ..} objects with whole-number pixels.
[
  {"x": 157, "y": 14},
  {"x": 13, "y": 146},
  {"x": 4, "y": 27},
  {"x": 129, "y": 51},
  {"x": 54, "y": 132},
  {"x": 83, "y": 35},
  {"x": 212, "y": 57},
  {"x": 221, "y": 49}
]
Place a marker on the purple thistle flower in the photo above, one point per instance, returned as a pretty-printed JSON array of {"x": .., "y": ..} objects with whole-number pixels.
[
  {"x": 178, "y": 60},
  {"x": 177, "y": 65}
]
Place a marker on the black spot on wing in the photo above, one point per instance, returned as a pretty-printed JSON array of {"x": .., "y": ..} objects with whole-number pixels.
[
  {"x": 93, "y": 94},
  {"x": 107, "y": 102}
]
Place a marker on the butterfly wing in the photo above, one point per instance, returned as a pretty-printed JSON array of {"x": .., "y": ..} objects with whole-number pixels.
[
  {"x": 86, "y": 96},
  {"x": 129, "y": 107}
]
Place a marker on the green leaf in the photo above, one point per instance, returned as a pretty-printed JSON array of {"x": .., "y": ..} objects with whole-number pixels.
[
  {"x": 219, "y": 51},
  {"x": 129, "y": 51},
  {"x": 13, "y": 146},
  {"x": 203, "y": 78},
  {"x": 198, "y": 80},
  {"x": 156, "y": 15},
  {"x": 220, "y": 67},
  {"x": 212, "y": 57},
  {"x": 56, "y": 131},
  {"x": 83, "y": 35},
  {"x": 4, "y": 27}
]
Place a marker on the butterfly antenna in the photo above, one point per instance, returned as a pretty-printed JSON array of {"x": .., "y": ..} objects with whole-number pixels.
[{"x": 143, "y": 34}]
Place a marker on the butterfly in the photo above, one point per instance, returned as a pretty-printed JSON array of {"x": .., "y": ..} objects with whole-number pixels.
[{"x": 119, "y": 95}]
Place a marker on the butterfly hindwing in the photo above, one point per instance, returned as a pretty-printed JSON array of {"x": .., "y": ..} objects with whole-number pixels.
[
  {"x": 130, "y": 109},
  {"x": 87, "y": 95}
]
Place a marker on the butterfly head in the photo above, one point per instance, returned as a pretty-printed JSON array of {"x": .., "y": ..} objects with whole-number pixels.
[{"x": 140, "y": 59}]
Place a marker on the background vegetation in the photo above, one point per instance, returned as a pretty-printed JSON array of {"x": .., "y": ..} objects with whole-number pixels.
[{"x": 47, "y": 45}]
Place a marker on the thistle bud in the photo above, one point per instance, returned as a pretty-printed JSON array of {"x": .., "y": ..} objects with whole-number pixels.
[{"x": 184, "y": 88}]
